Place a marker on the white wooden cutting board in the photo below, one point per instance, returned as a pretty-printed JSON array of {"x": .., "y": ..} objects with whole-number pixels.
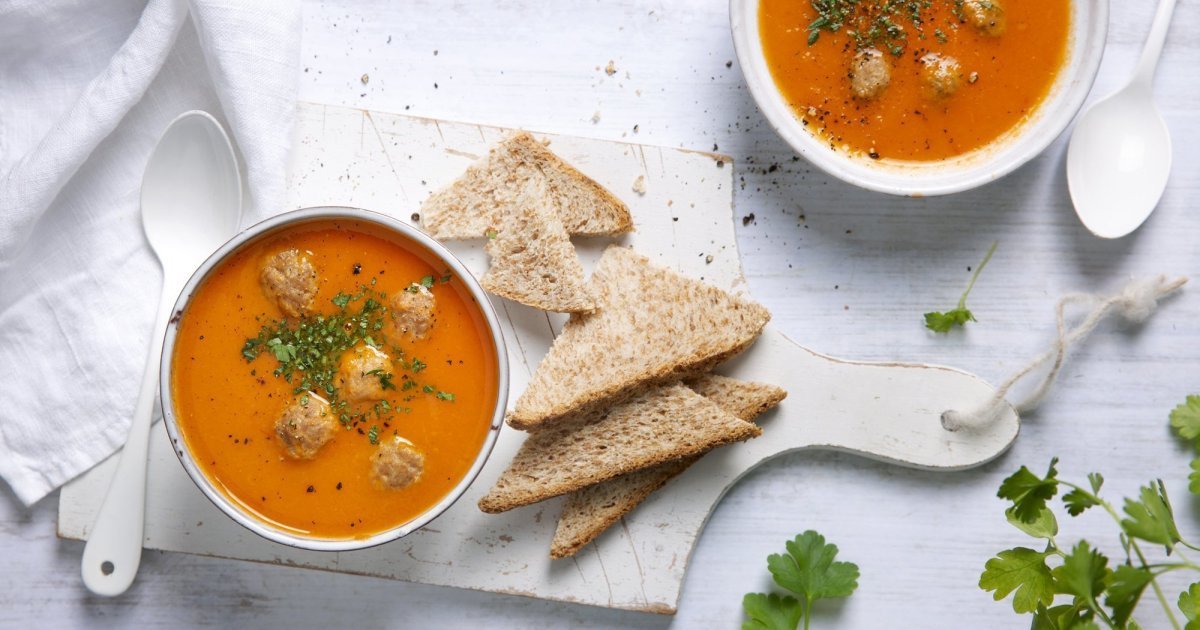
[{"x": 391, "y": 163}]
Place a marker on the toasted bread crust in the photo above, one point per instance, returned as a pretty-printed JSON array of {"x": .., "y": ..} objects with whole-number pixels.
[
  {"x": 652, "y": 326},
  {"x": 660, "y": 425},
  {"x": 589, "y": 512},
  {"x": 533, "y": 260},
  {"x": 465, "y": 208}
]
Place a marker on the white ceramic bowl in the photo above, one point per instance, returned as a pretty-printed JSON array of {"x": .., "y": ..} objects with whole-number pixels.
[
  {"x": 1089, "y": 28},
  {"x": 264, "y": 230}
]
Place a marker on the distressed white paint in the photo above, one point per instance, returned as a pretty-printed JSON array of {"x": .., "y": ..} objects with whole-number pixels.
[
  {"x": 920, "y": 538},
  {"x": 390, "y": 163}
]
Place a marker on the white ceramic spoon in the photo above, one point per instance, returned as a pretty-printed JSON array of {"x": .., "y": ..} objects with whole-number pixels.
[
  {"x": 1120, "y": 154},
  {"x": 191, "y": 204}
]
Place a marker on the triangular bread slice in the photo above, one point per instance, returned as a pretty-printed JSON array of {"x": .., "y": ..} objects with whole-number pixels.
[
  {"x": 744, "y": 399},
  {"x": 651, "y": 325},
  {"x": 533, "y": 260},
  {"x": 660, "y": 425},
  {"x": 466, "y": 208},
  {"x": 590, "y": 511}
]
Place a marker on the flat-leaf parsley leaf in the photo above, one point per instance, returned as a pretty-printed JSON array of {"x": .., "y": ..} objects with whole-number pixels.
[
  {"x": 771, "y": 612},
  {"x": 1022, "y": 570},
  {"x": 1028, "y": 492},
  {"x": 810, "y": 571}
]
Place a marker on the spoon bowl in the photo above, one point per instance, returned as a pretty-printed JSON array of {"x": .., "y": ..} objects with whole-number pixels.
[
  {"x": 1118, "y": 163},
  {"x": 1119, "y": 158},
  {"x": 192, "y": 174},
  {"x": 191, "y": 204}
]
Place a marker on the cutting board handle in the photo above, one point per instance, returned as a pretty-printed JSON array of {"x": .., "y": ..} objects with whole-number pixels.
[{"x": 884, "y": 411}]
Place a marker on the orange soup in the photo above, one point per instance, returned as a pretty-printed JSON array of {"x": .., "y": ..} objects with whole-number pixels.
[
  {"x": 914, "y": 80},
  {"x": 334, "y": 379}
]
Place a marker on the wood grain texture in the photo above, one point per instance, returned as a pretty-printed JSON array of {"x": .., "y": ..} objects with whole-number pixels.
[{"x": 921, "y": 538}]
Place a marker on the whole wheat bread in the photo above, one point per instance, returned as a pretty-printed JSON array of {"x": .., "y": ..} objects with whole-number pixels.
[
  {"x": 744, "y": 399},
  {"x": 662, "y": 424},
  {"x": 466, "y": 208},
  {"x": 651, "y": 325},
  {"x": 533, "y": 260},
  {"x": 590, "y": 511}
]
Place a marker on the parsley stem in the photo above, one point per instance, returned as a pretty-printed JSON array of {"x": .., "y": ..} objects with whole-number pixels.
[
  {"x": 1136, "y": 550},
  {"x": 1167, "y": 568},
  {"x": 1154, "y": 584},
  {"x": 962, "y": 301}
]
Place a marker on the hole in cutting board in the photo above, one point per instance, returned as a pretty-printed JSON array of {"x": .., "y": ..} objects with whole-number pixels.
[{"x": 107, "y": 567}]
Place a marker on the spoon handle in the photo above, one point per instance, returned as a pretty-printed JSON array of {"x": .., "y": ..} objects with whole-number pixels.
[
  {"x": 1154, "y": 43},
  {"x": 114, "y": 547}
]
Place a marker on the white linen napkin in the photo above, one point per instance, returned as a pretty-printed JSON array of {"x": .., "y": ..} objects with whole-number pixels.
[{"x": 86, "y": 88}]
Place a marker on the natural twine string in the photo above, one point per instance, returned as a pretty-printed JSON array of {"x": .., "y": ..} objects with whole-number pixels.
[{"x": 1135, "y": 302}]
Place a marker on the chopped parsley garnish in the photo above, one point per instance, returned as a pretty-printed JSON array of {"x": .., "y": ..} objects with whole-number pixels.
[
  {"x": 308, "y": 350},
  {"x": 881, "y": 24},
  {"x": 445, "y": 396},
  {"x": 385, "y": 379},
  {"x": 373, "y": 434}
]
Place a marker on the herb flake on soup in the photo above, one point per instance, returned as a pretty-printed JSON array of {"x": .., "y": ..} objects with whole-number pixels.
[
  {"x": 914, "y": 80},
  {"x": 332, "y": 380}
]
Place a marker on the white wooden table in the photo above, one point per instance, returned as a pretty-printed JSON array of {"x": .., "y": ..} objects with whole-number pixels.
[{"x": 844, "y": 271}]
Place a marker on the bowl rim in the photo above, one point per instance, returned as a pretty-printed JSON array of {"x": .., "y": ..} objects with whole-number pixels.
[
  {"x": 261, "y": 230},
  {"x": 987, "y": 169}
]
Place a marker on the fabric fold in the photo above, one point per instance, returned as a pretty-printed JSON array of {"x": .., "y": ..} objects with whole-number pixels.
[{"x": 88, "y": 88}]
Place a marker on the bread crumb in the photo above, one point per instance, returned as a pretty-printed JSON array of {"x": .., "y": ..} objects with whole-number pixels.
[
  {"x": 611, "y": 68},
  {"x": 639, "y": 185},
  {"x": 596, "y": 117},
  {"x": 365, "y": 78}
]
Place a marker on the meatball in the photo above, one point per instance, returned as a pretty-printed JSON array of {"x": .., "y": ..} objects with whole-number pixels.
[
  {"x": 289, "y": 279},
  {"x": 870, "y": 74},
  {"x": 363, "y": 374},
  {"x": 305, "y": 426},
  {"x": 397, "y": 464},
  {"x": 985, "y": 15},
  {"x": 411, "y": 312},
  {"x": 942, "y": 75}
]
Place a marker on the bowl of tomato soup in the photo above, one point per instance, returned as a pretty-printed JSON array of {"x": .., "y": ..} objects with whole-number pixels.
[
  {"x": 919, "y": 97},
  {"x": 333, "y": 379}
]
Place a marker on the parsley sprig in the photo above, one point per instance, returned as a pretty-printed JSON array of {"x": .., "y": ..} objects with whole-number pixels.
[
  {"x": 808, "y": 570},
  {"x": 1094, "y": 592},
  {"x": 959, "y": 315}
]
